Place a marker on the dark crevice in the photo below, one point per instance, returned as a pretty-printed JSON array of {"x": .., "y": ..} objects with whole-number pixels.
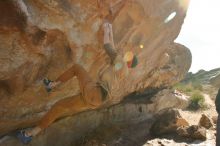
[{"x": 142, "y": 97}]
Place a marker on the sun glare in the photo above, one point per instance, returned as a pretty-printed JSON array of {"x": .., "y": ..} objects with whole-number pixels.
[
  {"x": 184, "y": 4},
  {"x": 201, "y": 33},
  {"x": 170, "y": 17}
]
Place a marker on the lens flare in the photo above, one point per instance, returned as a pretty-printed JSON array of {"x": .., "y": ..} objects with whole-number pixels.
[
  {"x": 128, "y": 56},
  {"x": 141, "y": 46},
  {"x": 170, "y": 17},
  {"x": 118, "y": 66},
  {"x": 184, "y": 4}
]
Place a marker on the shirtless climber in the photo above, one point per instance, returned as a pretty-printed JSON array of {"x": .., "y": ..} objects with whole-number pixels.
[
  {"x": 108, "y": 40},
  {"x": 92, "y": 96}
]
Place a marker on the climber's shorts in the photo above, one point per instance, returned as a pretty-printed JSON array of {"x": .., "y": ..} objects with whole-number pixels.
[{"x": 108, "y": 46}]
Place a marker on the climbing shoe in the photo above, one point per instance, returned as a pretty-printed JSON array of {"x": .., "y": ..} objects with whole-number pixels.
[
  {"x": 23, "y": 138},
  {"x": 47, "y": 84}
]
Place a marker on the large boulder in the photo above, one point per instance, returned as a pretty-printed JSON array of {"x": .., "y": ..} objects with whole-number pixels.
[
  {"x": 167, "y": 121},
  {"x": 42, "y": 38},
  {"x": 169, "y": 99}
]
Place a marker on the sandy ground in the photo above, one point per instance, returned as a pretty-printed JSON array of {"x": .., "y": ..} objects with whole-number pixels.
[{"x": 193, "y": 117}]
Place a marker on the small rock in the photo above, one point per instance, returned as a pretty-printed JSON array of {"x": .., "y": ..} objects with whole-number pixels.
[
  {"x": 194, "y": 132},
  {"x": 205, "y": 121}
]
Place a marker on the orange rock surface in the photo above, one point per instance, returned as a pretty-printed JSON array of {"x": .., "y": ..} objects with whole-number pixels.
[{"x": 42, "y": 38}]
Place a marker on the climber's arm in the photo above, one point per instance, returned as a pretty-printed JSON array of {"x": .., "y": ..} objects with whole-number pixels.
[
  {"x": 111, "y": 37},
  {"x": 116, "y": 8}
]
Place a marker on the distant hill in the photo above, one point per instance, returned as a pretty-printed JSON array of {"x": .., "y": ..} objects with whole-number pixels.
[
  {"x": 215, "y": 81},
  {"x": 211, "y": 77},
  {"x": 203, "y": 81}
]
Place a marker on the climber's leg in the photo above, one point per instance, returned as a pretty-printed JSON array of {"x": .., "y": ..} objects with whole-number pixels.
[
  {"x": 62, "y": 108},
  {"x": 75, "y": 70},
  {"x": 90, "y": 98},
  {"x": 89, "y": 89},
  {"x": 65, "y": 107},
  {"x": 82, "y": 76}
]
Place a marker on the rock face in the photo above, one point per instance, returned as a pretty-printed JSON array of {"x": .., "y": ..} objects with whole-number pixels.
[{"x": 42, "y": 38}]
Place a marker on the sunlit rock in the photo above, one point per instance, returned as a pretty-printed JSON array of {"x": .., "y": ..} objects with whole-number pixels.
[{"x": 42, "y": 38}]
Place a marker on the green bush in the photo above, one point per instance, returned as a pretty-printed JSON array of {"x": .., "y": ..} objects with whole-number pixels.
[
  {"x": 185, "y": 88},
  {"x": 188, "y": 89},
  {"x": 197, "y": 101}
]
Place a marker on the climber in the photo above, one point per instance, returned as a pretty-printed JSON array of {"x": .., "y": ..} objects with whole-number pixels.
[
  {"x": 92, "y": 96},
  {"x": 217, "y": 104},
  {"x": 108, "y": 40}
]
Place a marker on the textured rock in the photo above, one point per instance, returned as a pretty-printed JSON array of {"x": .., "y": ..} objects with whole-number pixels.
[
  {"x": 205, "y": 122},
  {"x": 42, "y": 38},
  {"x": 214, "y": 119},
  {"x": 167, "y": 121},
  {"x": 168, "y": 99},
  {"x": 194, "y": 132}
]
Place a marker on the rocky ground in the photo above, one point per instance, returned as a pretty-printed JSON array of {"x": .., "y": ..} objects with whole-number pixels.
[
  {"x": 139, "y": 135},
  {"x": 193, "y": 118}
]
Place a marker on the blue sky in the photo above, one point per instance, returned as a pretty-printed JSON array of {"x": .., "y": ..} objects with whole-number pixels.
[{"x": 201, "y": 34}]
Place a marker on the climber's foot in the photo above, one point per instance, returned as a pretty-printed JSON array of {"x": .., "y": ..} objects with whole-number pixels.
[
  {"x": 47, "y": 84},
  {"x": 23, "y": 137}
]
